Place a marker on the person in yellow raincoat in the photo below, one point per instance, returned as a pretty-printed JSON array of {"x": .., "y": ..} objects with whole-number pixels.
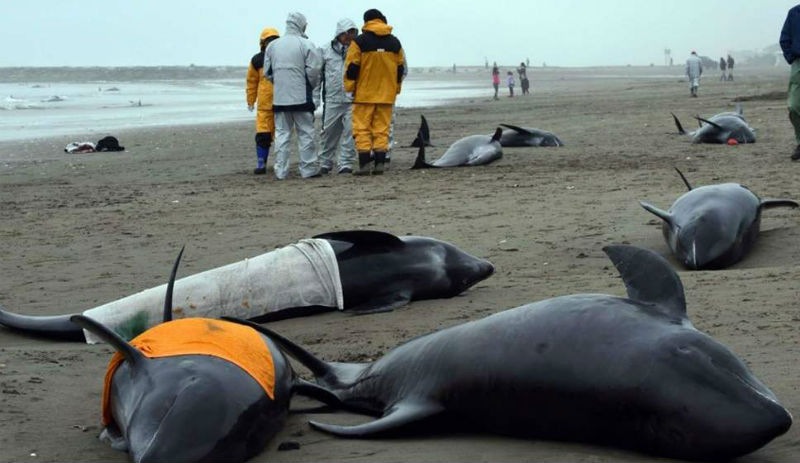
[
  {"x": 259, "y": 90},
  {"x": 374, "y": 70}
]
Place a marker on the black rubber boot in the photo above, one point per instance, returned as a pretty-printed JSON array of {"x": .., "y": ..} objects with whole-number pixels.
[
  {"x": 380, "y": 162},
  {"x": 364, "y": 160}
]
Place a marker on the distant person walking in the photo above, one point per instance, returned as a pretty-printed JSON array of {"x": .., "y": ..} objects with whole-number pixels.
[
  {"x": 337, "y": 113},
  {"x": 259, "y": 90},
  {"x": 510, "y": 82},
  {"x": 722, "y": 66},
  {"x": 730, "y": 67},
  {"x": 293, "y": 65},
  {"x": 790, "y": 45},
  {"x": 374, "y": 70},
  {"x": 523, "y": 79},
  {"x": 496, "y": 80},
  {"x": 694, "y": 69}
]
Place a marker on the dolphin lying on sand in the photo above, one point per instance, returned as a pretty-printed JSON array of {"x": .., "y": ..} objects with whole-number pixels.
[{"x": 360, "y": 271}]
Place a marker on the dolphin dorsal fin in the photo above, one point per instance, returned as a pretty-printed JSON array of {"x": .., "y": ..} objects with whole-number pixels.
[
  {"x": 685, "y": 182},
  {"x": 649, "y": 278},
  {"x": 170, "y": 287},
  {"x": 131, "y": 354},
  {"x": 359, "y": 237},
  {"x": 517, "y": 129},
  {"x": 660, "y": 213},
  {"x": 497, "y": 134}
]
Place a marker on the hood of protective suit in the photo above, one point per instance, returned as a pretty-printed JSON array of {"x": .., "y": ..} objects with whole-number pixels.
[
  {"x": 344, "y": 25},
  {"x": 296, "y": 23},
  {"x": 377, "y": 27},
  {"x": 267, "y": 33}
]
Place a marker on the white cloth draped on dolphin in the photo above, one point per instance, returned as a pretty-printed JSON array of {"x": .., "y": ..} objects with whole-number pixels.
[{"x": 302, "y": 274}]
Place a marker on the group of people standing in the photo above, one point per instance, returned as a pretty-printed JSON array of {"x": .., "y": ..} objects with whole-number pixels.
[
  {"x": 726, "y": 65},
  {"x": 523, "y": 80},
  {"x": 356, "y": 77},
  {"x": 694, "y": 69}
]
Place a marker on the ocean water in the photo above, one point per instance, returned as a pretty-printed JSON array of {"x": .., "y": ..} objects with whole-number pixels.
[{"x": 94, "y": 109}]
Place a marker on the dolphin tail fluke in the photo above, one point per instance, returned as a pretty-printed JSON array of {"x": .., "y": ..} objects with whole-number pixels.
[
  {"x": 649, "y": 278},
  {"x": 420, "y": 163},
  {"x": 497, "y": 134},
  {"x": 423, "y": 134},
  {"x": 770, "y": 203},
  {"x": 661, "y": 214},
  {"x": 50, "y": 327},
  {"x": 678, "y": 124},
  {"x": 400, "y": 415},
  {"x": 685, "y": 182}
]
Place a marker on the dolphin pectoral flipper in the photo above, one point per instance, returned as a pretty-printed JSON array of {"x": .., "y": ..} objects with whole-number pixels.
[
  {"x": 683, "y": 177},
  {"x": 648, "y": 277},
  {"x": 769, "y": 203},
  {"x": 709, "y": 122},
  {"x": 385, "y": 303},
  {"x": 678, "y": 124},
  {"x": 400, "y": 415},
  {"x": 661, "y": 214},
  {"x": 498, "y": 132},
  {"x": 131, "y": 354}
]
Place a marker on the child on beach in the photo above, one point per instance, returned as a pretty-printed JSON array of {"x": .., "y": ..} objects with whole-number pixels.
[
  {"x": 495, "y": 80},
  {"x": 510, "y": 80}
]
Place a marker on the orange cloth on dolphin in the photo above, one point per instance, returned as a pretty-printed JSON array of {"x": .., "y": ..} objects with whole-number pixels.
[{"x": 238, "y": 344}]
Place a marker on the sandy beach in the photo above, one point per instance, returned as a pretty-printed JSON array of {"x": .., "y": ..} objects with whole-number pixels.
[{"x": 81, "y": 230}]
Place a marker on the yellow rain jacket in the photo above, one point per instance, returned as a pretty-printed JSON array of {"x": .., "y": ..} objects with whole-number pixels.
[
  {"x": 259, "y": 88},
  {"x": 238, "y": 344},
  {"x": 374, "y": 65}
]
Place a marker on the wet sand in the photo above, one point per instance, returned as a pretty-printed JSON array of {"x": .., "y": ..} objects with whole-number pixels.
[{"x": 81, "y": 230}]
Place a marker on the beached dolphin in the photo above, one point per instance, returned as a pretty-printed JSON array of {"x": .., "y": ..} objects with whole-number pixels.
[
  {"x": 527, "y": 136},
  {"x": 627, "y": 372},
  {"x": 713, "y": 226},
  {"x": 473, "y": 150},
  {"x": 727, "y": 127},
  {"x": 359, "y": 271},
  {"x": 194, "y": 389}
]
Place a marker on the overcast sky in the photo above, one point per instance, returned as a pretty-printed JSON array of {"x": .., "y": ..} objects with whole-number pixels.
[{"x": 433, "y": 32}]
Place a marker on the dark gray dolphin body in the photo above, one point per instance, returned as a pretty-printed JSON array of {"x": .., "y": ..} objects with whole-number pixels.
[
  {"x": 526, "y": 136},
  {"x": 473, "y": 150},
  {"x": 193, "y": 408},
  {"x": 721, "y": 128},
  {"x": 713, "y": 226},
  {"x": 628, "y": 372},
  {"x": 378, "y": 271}
]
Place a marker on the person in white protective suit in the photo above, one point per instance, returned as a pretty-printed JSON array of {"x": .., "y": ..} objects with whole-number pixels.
[
  {"x": 337, "y": 113},
  {"x": 292, "y": 63}
]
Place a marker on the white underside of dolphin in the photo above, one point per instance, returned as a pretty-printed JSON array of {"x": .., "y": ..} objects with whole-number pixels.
[{"x": 302, "y": 274}]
